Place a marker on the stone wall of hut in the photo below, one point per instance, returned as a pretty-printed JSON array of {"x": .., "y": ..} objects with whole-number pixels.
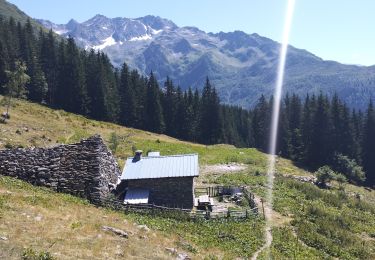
[
  {"x": 86, "y": 169},
  {"x": 177, "y": 192}
]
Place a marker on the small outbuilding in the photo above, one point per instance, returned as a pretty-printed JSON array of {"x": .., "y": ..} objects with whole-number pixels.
[{"x": 160, "y": 180}]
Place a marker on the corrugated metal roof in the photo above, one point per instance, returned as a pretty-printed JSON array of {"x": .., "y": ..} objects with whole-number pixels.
[
  {"x": 153, "y": 154},
  {"x": 136, "y": 196},
  {"x": 185, "y": 165}
]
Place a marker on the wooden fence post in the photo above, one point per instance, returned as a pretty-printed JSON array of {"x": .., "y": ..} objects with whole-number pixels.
[{"x": 264, "y": 215}]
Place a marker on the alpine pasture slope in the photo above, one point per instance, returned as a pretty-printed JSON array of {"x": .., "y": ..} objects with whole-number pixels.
[{"x": 309, "y": 222}]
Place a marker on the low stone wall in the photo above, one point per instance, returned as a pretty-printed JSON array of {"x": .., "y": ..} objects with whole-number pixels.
[
  {"x": 86, "y": 169},
  {"x": 177, "y": 192}
]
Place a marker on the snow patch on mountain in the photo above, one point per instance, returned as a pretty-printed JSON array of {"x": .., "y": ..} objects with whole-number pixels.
[
  {"x": 141, "y": 38},
  {"x": 156, "y": 31},
  {"x": 60, "y": 32},
  {"x": 106, "y": 42}
]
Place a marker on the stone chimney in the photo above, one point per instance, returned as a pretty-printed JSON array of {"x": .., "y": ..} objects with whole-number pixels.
[{"x": 137, "y": 156}]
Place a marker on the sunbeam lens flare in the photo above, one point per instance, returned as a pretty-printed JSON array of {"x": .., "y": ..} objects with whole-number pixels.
[
  {"x": 275, "y": 119},
  {"x": 274, "y": 127}
]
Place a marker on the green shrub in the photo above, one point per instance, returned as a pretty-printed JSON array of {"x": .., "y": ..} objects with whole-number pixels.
[
  {"x": 8, "y": 146},
  {"x": 324, "y": 175},
  {"x": 349, "y": 168},
  {"x": 31, "y": 254},
  {"x": 76, "y": 225},
  {"x": 113, "y": 142}
]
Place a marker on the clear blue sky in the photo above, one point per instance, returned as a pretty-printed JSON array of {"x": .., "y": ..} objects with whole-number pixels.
[{"x": 341, "y": 30}]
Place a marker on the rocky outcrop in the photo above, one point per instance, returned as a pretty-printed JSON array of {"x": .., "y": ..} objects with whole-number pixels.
[{"x": 86, "y": 169}]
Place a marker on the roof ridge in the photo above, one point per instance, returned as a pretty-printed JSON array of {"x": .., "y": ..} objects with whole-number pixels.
[{"x": 165, "y": 156}]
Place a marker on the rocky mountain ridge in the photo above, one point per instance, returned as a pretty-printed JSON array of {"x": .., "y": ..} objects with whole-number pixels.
[{"x": 241, "y": 66}]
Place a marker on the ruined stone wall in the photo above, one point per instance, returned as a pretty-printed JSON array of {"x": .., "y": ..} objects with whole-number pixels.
[
  {"x": 86, "y": 169},
  {"x": 170, "y": 192}
]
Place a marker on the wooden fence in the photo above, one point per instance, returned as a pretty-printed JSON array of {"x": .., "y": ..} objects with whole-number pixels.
[
  {"x": 216, "y": 191},
  {"x": 116, "y": 204},
  {"x": 230, "y": 214}
]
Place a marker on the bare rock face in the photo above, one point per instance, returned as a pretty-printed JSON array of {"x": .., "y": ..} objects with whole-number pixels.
[{"x": 86, "y": 169}]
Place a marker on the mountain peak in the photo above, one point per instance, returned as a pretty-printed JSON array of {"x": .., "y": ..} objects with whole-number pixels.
[
  {"x": 72, "y": 22},
  {"x": 157, "y": 23},
  {"x": 99, "y": 16}
]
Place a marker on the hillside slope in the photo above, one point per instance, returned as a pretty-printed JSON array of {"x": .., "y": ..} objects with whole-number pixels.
[
  {"x": 67, "y": 227},
  {"x": 241, "y": 66},
  {"x": 8, "y": 10},
  {"x": 308, "y": 222}
]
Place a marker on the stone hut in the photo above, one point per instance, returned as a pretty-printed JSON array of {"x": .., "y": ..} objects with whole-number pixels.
[
  {"x": 160, "y": 180},
  {"x": 86, "y": 169}
]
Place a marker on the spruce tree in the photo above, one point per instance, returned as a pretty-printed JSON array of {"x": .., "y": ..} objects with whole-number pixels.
[
  {"x": 368, "y": 156},
  {"x": 15, "y": 86},
  {"x": 321, "y": 152},
  {"x": 95, "y": 86},
  {"x": 48, "y": 60},
  {"x": 180, "y": 120},
  {"x": 3, "y": 67},
  {"x": 306, "y": 128},
  {"x": 72, "y": 92},
  {"x": 295, "y": 147},
  {"x": 170, "y": 107},
  {"x": 261, "y": 124},
  {"x": 154, "y": 115},
  {"x": 37, "y": 87},
  {"x": 128, "y": 114},
  {"x": 210, "y": 125}
]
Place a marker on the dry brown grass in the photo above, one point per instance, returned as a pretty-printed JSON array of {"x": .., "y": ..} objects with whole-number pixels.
[
  {"x": 33, "y": 124},
  {"x": 68, "y": 228}
]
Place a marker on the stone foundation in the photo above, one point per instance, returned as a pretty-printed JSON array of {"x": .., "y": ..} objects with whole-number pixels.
[{"x": 86, "y": 169}]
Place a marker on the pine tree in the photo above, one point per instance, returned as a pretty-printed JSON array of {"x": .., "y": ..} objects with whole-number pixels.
[
  {"x": 261, "y": 124},
  {"x": 295, "y": 147},
  {"x": 180, "y": 120},
  {"x": 196, "y": 104},
  {"x": 154, "y": 114},
  {"x": 37, "y": 87},
  {"x": 72, "y": 92},
  {"x": 341, "y": 127},
  {"x": 169, "y": 107},
  {"x": 283, "y": 133},
  {"x": 210, "y": 119},
  {"x": 357, "y": 125},
  {"x": 3, "y": 68},
  {"x": 321, "y": 152},
  {"x": 15, "y": 86},
  {"x": 95, "y": 86},
  {"x": 128, "y": 114},
  {"x": 48, "y": 60},
  {"x": 139, "y": 85},
  {"x": 110, "y": 90},
  {"x": 368, "y": 156},
  {"x": 306, "y": 128},
  {"x": 191, "y": 115}
]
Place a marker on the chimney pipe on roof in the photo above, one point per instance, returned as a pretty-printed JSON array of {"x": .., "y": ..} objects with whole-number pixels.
[
  {"x": 137, "y": 156},
  {"x": 153, "y": 154}
]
